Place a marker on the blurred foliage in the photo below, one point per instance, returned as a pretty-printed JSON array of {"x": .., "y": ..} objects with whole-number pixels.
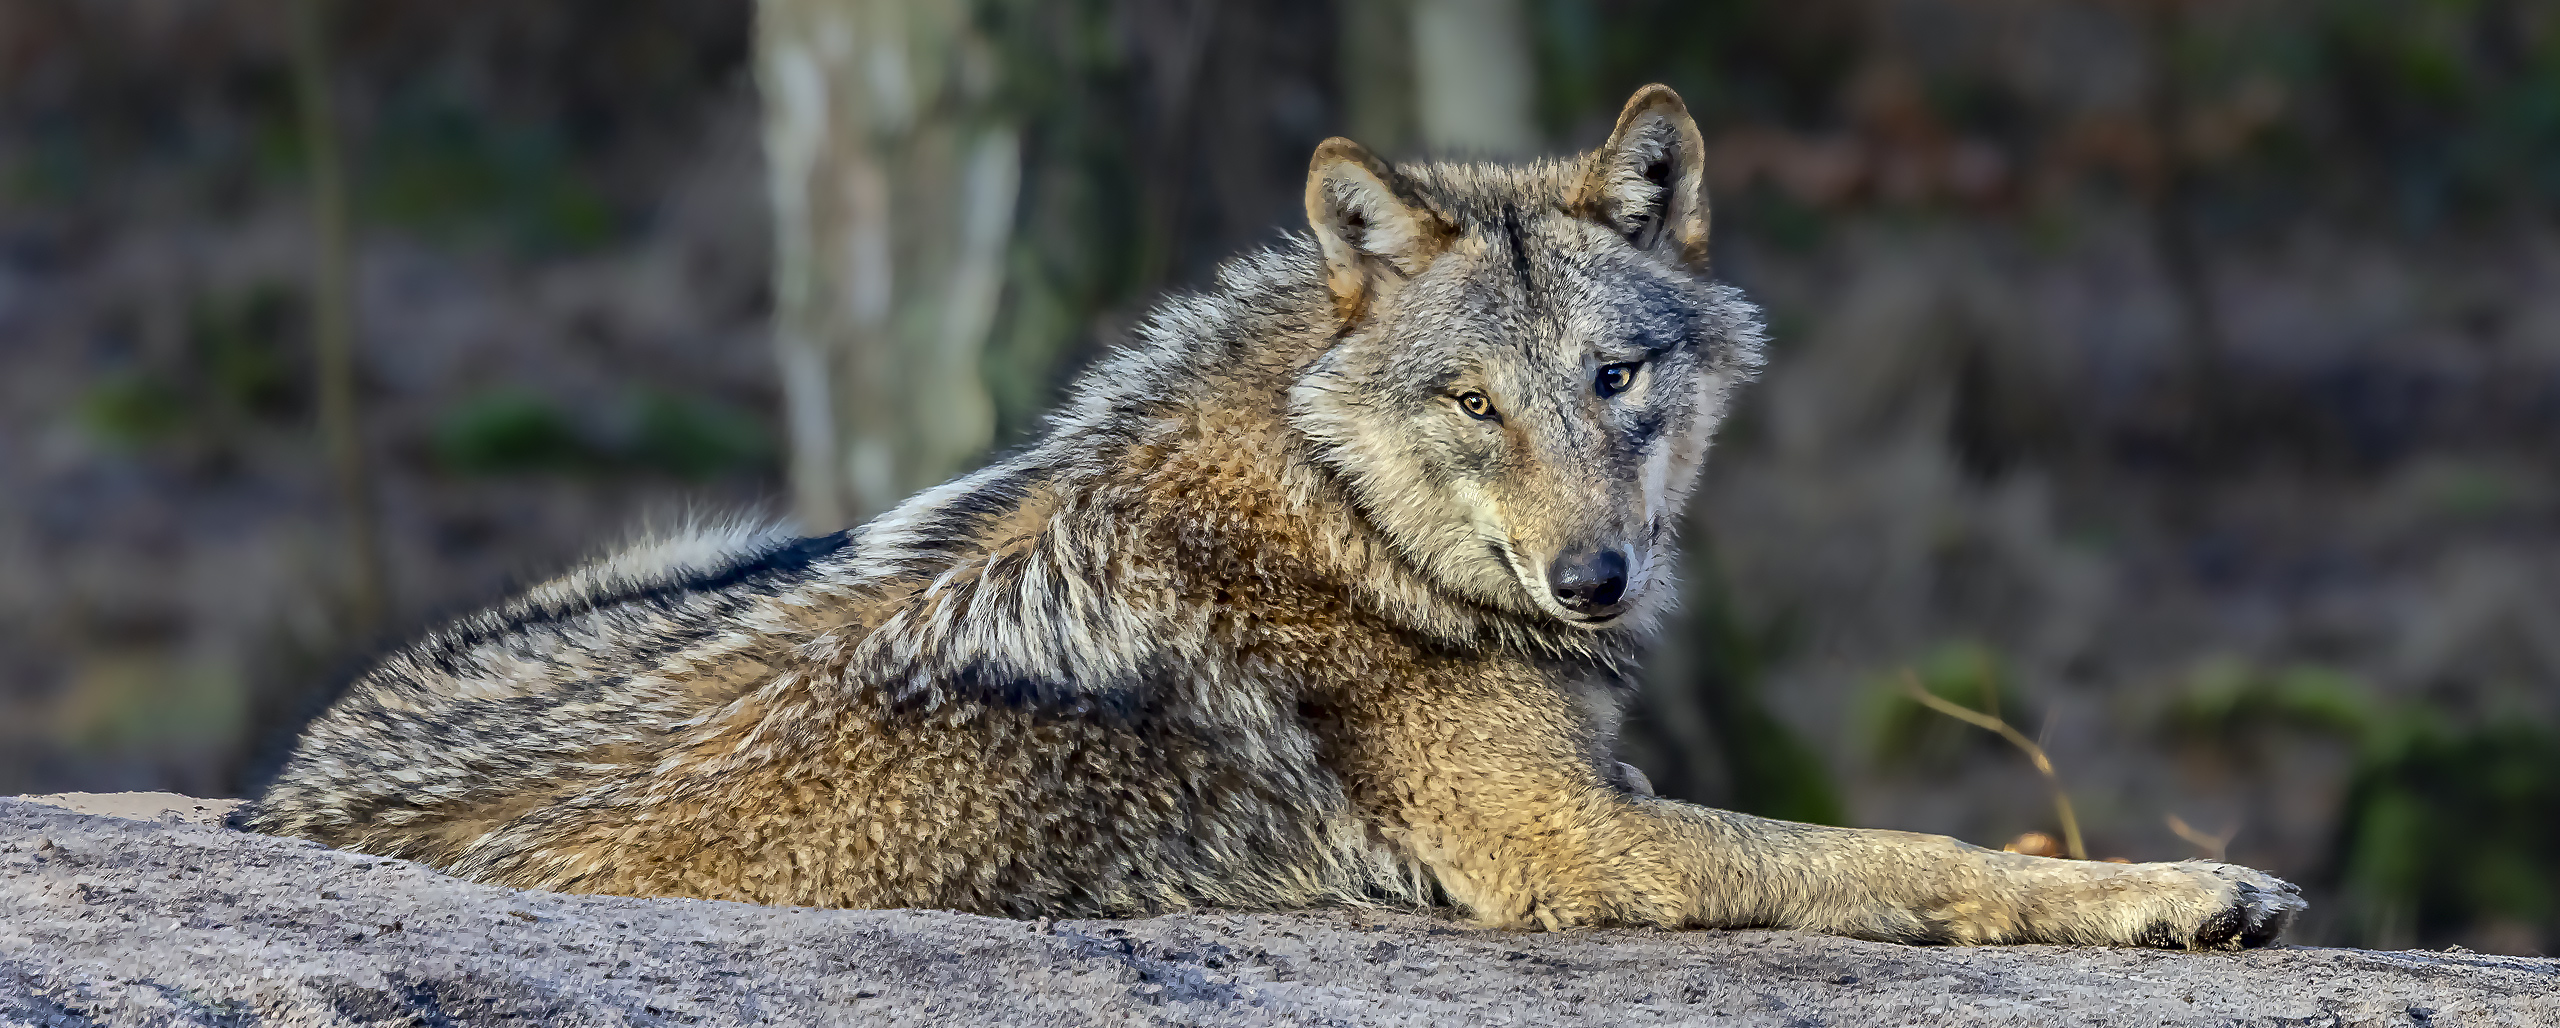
[
  {"x": 2460, "y": 101},
  {"x": 507, "y": 123},
  {"x": 1076, "y": 87},
  {"x": 1082, "y": 244},
  {"x": 1731, "y": 60},
  {"x": 694, "y": 438},
  {"x": 1158, "y": 139},
  {"x": 2446, "y": 824},
  {"x": 142, "y": 700},
  {"x": 1764, "y": 766},
  {"x": 2476, "y": 492},
  {"x": 511, "y": 431},
  {"x": 1773, "y": 771},
  {"x": 2448, "y": 827},
  {"x": 2225, "y": 699},
  {"x": 2427, "y": 111},
  {"x": 236, "y": 368},
  {"x": 442, "y": 168},
  {"x": 248, "y": 347},
  {"x": 133, "y": 409}
]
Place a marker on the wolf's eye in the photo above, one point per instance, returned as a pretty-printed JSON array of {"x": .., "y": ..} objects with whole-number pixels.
[
  {"x": 1615, "y": 379},
  {"x": 1476, "y": 405}
]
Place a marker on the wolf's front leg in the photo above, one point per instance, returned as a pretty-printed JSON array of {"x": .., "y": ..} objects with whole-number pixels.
[
  {"x": 1502, "y": 795},
  {"x": 1910, "y": 887}
]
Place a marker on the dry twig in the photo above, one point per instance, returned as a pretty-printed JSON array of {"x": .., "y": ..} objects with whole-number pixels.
[
  {"x": 2213, "y": 845},
  {"x": 1992, "y": 723}
]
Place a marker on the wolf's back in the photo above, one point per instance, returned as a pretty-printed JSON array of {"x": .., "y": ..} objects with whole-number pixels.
[{"x": 538, "y": 695}]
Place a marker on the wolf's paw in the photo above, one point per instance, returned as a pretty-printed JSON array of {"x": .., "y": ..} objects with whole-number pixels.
[{"x": 2218, "y": 906}]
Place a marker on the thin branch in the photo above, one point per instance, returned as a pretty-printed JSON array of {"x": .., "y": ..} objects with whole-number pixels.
[
  {"x": 2044, "y": 765},
  {"x": 2213, "y": 845},
  {"x": 333, "y": 317}
]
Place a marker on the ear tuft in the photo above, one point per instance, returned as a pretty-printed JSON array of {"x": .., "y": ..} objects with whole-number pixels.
[
  {"x": 1648, "y": 182},
  {"x": 1375, "y": 229}
]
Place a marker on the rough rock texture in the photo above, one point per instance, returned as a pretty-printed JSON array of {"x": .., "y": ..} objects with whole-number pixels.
[{"x": 106, "y": 920}]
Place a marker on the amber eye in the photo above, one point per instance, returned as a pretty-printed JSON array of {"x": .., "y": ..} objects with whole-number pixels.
[
  {"x": 1615, "y": 379},
  {"x": 1475, "y": 405}
]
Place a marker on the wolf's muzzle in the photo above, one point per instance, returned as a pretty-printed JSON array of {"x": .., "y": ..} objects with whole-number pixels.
[{"x": 1590, "y": 583}]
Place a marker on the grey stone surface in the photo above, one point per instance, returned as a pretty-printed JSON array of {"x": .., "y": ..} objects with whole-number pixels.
[{"x": 113, "y": 921}]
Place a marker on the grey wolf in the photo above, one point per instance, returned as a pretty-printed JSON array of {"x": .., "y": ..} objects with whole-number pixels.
[{"x": 1311, "y": 595}]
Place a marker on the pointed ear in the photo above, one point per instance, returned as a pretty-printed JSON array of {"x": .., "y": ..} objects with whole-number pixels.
[
  {"x": 1374, "y": 228},
  {"x": 1649, "y": 181}
]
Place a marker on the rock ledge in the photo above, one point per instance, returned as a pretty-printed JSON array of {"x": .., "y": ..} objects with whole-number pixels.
[{"x": 109, "y": 920}]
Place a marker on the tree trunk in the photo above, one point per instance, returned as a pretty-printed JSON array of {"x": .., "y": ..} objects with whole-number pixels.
[
  {"x": 1474, "y": 78},
  {"x": 893, "y": 182}
]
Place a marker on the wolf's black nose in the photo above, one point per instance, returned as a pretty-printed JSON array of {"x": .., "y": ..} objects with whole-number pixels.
[{"x": 1590, "y": 581}]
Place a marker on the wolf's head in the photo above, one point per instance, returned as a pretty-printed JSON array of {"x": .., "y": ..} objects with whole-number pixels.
[{"x": 1530, "y": 364}]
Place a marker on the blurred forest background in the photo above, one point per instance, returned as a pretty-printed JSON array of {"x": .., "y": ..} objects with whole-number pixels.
[{"x": 2180, "y": 380}]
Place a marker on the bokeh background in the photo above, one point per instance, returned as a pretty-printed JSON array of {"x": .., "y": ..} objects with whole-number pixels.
[{"x": 2178, "y": 380}]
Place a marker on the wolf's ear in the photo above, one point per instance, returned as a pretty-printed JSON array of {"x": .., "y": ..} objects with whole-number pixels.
[
  {"x": 1649, "y": 180},
  {"x": 1374, "y": 228}
]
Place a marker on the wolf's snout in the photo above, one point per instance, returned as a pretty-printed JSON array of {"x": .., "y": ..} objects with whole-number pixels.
[{"x": 1589, "y": 582}]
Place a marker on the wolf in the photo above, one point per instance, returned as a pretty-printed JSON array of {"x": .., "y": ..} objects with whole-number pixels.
[{"x": 1312, "y": 594}]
